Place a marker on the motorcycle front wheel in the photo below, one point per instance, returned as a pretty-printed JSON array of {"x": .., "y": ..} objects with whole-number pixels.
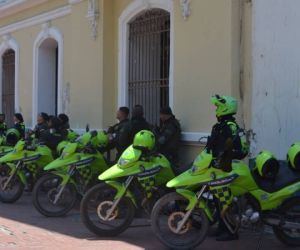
[
  {"x": 290, "y": 211},
  {"x": 95, "y": 207},
  {"x": 45, "y": 196},
  {"x": 13, "y": 190},
  {"x": 166, "y": 215}
]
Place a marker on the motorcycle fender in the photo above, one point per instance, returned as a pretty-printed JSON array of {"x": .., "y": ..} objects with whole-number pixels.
[
  {"x": 65, "y": 178},
  {"x": 121, "y": 191},
  {"x": 190, "y": 196},
  {"x": 193, "y": 200},
  {"x": 19, "y": 173}
]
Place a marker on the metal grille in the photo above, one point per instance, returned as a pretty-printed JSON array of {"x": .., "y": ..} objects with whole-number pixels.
[
  {"x": 149, "y": 61},
  {"x": 8, "y": 85}
]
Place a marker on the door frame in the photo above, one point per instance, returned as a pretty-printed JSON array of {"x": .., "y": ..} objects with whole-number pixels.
[
  {"x": 55, "y": 34},
  {"x": 132, "y": 10},
  {"x": 11, "y": 43}
]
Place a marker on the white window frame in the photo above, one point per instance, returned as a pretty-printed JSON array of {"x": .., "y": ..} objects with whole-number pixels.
[
  {"x": 133, "y": 9},
  {"x": 54, "y": 33}
]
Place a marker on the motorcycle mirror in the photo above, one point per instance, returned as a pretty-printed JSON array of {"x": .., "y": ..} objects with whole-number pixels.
[{"x": 87, "y": 128}]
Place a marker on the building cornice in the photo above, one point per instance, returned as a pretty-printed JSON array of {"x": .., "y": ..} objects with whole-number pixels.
[
  {"x": 39, "y": 19},
  {"x": 13, "y": 7}
]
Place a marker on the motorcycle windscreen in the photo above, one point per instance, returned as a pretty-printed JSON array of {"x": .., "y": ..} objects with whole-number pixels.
[
  {"x": 129, "y": 156},
  {"x": 117, "y": 172}
]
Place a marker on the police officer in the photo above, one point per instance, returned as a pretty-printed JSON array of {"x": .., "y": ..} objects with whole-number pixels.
[
  {"x": 19, "y": 124},
  {"x": 137, "y": 122},
  {"x": 120, "y": 132},
  {"x": 169, "y": 134},
  {"x": 42, "y": 124},
  {"x": 3, "y": 126},
  {"x": 226, "y": 128},
  {"x": 224, "y": 131},
  {"x": 53, "y": 135}
]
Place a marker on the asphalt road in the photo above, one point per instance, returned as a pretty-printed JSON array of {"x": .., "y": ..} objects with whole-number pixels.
[{"x": 22, "y": 227}]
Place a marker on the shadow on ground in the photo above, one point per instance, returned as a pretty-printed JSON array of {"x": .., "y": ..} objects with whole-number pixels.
[{"x": 139, "y": 235}]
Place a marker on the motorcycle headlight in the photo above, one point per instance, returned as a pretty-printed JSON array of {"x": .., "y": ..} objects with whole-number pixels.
[
  {"x": 123, "y": 162},
  {"x": 64, "y": 155}
]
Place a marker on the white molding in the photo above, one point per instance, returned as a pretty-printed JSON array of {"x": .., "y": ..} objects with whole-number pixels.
[
  {"x": 10, "y": 43},
  {"x": 75, "y": 1},
  {"x": 194, "y": 136},
  {"x": 93, "y": 17},
  {"x": 39, "y": 19},
  {"x": 185, "y": 136},
  {"x": 10, "y": 8},
  {"x": 136, "y": 7},
  {"x": 185, "y": 8},
  {"x": 54, "y": 33}
]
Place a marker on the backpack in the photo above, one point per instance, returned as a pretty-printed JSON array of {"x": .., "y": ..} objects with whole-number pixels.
[{"x": 241, "y": 144}]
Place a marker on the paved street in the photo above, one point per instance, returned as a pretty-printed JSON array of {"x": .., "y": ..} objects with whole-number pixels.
[{"x": 21, "y": 227}]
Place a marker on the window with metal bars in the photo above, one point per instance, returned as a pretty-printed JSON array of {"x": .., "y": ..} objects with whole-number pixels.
[
  {"x": 149, "y": 62},
  {"x": 8, "y": 86}
]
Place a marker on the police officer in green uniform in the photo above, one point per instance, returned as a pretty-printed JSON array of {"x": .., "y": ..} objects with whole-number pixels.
[
  {"x": 3, "y": 126},
  {"x": 169, "y": 134},
  {"x": 119, "y": 132},
  {"x": 225, "y": 129}
]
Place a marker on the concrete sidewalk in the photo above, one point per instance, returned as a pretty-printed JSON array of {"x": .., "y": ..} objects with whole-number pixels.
[{"x": 21, "y": 227}]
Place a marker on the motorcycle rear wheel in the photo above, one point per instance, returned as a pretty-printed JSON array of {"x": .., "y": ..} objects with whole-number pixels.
[{"x": 291, "y": 212}]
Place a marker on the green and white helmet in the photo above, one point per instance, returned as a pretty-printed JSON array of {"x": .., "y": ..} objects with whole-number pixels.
[
  {"x": 144, "y": 139},
  {"x": 293, "y": 156},
  {"x": 266, "y": 165},
  {"x": 100, "y": 140},
  {"x": 226, "y": 105}
]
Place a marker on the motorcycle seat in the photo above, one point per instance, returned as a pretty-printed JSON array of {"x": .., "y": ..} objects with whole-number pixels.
[{"x": 285, "y": 177}]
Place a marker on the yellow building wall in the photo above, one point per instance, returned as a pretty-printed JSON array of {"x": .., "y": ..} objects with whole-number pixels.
[
  {"x": 83, "y": 62},
  {"x": 206, "y": 60}
]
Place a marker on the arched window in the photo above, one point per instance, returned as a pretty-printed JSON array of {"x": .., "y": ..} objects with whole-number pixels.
[
  {"x": 47, "y": 77},
  {"x": 8, "y": 85},
  {"x": 47, "y": 72},
  {"x": 149, "y": 62}
]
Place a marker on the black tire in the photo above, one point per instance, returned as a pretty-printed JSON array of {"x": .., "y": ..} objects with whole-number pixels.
[
  {"x": 43, "y": 196},
  {"x": 170, "y": 205},
  {"x": 284, "y": 235},
  {"x": 16, "y": 184},
  {"x": 90, "y": 204}
]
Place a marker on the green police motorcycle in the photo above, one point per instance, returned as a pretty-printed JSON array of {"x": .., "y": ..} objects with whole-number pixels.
[
  {"x": 268, "y": 194},
  {"x": 133, "y": 184},
  {"x": 76, "y": 170},
  {"x": 4, "y": 148},
  {"x": 21, "y": 167}
]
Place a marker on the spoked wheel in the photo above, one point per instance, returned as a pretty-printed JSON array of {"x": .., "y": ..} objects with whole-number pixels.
[
  {"x": 50, "y": 199},
  {"x": 289, "y": 233},
  {"x": 166, "y": 217},
  {"x": 97, "y": 214},
  {"x": 11, "y": 188}
]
